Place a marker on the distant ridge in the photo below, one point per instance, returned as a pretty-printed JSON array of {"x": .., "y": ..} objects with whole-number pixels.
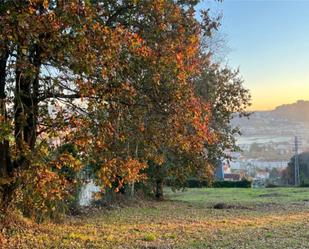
[
  {"x": 298, "y": 111},
  {"x": 284, "y": 120}
]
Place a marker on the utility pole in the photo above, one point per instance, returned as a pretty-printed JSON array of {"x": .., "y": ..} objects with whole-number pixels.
[{"x": 296, "y": 162}]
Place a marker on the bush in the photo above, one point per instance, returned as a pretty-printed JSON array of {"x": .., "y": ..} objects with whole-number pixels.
[
  {"x": 237, "y": 184},
  {"x": 272, "y": 185},
  {"x": 304, "y": 185},
  {"x": 196, "y": 183}
]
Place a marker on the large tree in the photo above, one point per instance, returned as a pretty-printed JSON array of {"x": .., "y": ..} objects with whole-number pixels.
[{"x": 115, "y": 78}]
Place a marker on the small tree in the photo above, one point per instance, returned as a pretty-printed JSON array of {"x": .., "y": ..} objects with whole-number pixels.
[{"x": 288, "y": 176}]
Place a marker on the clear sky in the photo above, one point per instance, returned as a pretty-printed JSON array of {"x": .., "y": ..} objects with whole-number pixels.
[{"x": 269, "y": 42}]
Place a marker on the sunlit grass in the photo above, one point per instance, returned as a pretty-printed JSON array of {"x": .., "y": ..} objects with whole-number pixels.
[
  {"x": 259, "y": 218},
  {"x": 259, "y": 195}
]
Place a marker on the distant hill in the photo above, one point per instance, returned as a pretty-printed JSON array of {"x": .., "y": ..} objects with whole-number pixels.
[
  {"x": 284, "y": 120},
  {"x": 298, "y": 111}
]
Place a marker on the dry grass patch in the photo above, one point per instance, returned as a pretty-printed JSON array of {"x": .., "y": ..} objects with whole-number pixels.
[{"x": 172, "y": 224}]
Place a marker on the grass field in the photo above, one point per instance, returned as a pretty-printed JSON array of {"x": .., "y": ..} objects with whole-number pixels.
[{"x": 243, "y": 218}]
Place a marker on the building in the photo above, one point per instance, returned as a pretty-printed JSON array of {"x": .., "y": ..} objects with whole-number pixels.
[
  {"x": 232, "y": 177},
  {"x": 223, "y": 172}
]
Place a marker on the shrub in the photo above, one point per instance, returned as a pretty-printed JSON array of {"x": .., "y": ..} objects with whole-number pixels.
[
  {"x": 304, "y": 185},
  {"x": 149, "y": 237},
  {"x": 272, "y": 185},
  {"x": 196, "y": 183},
  {"x": 236, "y": 184}
]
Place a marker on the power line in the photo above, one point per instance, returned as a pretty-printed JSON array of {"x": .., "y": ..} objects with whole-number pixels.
[{"x": 296, "y": 162}]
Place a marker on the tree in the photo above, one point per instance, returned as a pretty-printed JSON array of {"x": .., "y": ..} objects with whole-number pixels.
[
  {"x": 223, "y": 89},
  {"x": 44, "y": 46},
  {"x": 164, "y": 114},
  {"x": 288, "y": 176},
  {"x": 114, "y": 78}
]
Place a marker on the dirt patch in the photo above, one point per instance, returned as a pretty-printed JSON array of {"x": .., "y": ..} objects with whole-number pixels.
[
  {"x": 155, "y": 246},
  {"x": 222, "y": 205},
  {"x": 272, "y": 195}
]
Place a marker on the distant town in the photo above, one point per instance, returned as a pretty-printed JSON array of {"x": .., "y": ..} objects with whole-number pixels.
[{"x": 267, "y": 142}]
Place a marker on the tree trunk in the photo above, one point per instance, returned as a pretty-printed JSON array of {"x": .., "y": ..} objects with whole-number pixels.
[
  {"x": 6, "y": 169},
  {"x": 159, "y": 189},
  {"x": 5, "y": 161},
  {"x": 132, "y": 190},
  {"x": 25, "y": 117},
  {"x": 26, "y": 103}
]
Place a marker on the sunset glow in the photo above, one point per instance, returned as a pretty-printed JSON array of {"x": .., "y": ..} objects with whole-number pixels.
[{"x": 268, "y": 41}]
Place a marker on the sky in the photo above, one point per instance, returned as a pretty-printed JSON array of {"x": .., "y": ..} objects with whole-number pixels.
[{"x": 269, "y": 41}]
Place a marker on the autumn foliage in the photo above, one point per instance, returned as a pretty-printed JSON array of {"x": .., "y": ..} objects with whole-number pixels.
[{"x": 114, "y": 78}]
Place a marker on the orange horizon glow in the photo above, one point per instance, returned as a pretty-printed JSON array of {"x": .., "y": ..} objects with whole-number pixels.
[
  {"x": 268, "y": 96},
  {"x": 273, "y": 61}
]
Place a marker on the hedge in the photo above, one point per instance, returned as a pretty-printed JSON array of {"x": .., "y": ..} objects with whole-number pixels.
[
  {"x": 195, "y": 183},
  {"x": 236, "y": 184}
]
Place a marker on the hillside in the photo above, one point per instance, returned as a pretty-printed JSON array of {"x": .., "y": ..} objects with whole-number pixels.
[
  {"x": 298, "y": 111},
  {"x": 284, "y": 120}
]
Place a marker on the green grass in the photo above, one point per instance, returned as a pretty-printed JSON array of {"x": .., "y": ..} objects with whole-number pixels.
[
  {"x": 253, "y": 218},
  {"x": 241, "y": 195}
]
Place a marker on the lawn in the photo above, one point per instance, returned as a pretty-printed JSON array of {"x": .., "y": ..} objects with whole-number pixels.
[{"x": 196, "y": 218}]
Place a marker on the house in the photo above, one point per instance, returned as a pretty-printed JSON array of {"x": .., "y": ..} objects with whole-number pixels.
[
  {"x": 223, "y": 172},
  {"x": 232, "y": 177},
  {"x": 226, "y": 168},
  {"x": 262, "y": 175}
]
